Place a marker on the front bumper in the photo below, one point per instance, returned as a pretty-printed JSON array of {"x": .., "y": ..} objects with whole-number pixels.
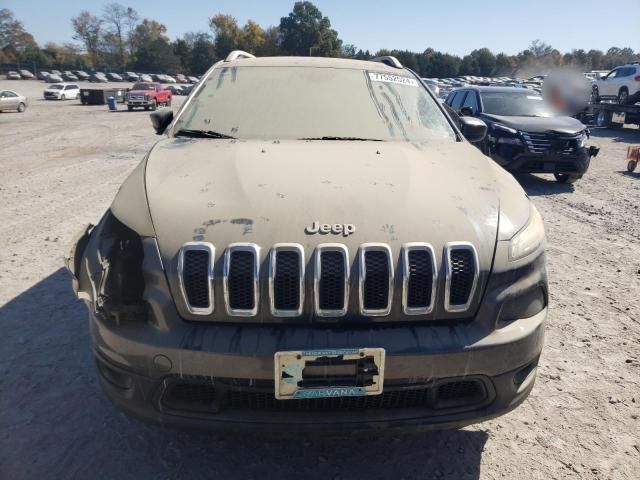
[
  {"x": 137, "y": 368},
  {"x": 519, "y": 159}
]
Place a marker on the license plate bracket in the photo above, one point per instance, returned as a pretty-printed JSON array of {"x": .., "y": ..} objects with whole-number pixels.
[{"x": 346, "y": 372}]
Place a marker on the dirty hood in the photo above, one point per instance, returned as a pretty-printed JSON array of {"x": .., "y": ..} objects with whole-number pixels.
[{"x": 226, "y": 191}]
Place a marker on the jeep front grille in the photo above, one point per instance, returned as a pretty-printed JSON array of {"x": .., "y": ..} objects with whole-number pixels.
[
  {"x": 286, "y": 280},
  {"x": 420, "y": 279},
  {"x": 330, "y": 279},
  {"x": 376, "y": 279},
  {"x": 462, "y": 276},
  {"x": 240, "y": 279},
  {"x": 195, "y": 269}
]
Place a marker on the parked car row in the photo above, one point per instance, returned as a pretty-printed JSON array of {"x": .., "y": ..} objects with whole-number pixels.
[{"x": 55, "y": 76}]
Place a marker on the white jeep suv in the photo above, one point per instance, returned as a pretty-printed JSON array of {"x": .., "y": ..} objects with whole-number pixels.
[{"x": 621, "y": 84}]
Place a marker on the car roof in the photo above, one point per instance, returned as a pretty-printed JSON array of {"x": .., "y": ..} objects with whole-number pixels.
[{"x": 320, "y": 62}]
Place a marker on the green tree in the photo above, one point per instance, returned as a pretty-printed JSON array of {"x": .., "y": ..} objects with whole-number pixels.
[
  {"x": 153, "y": 52},
  {"x": 203, "y": 54},
  {"x": 251, "y": 37},
  {"x": 227, "y": 34},
  {"x": 271, "y": 45},
  {"x": 305, "y": 31},
  {"x": 17, "y": 44},
  {"x": 505, "y": 64}
]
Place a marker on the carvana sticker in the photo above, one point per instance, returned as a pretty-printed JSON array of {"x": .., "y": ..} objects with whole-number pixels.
[{"x": 390, "y": 78}]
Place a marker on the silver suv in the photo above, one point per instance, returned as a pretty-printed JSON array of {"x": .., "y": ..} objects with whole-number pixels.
[
  {"x": 313, "y": 245},
  {"x": 621, "y": 84}
]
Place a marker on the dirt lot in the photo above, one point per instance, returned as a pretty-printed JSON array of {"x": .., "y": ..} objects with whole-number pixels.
[{"x": 60, "y": 166}]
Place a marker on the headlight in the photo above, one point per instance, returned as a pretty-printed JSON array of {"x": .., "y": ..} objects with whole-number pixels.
[
  {"x": 529, "y": 238},
  {"x": 582, "y": 140},
  {"x": 504, "y": 128}
]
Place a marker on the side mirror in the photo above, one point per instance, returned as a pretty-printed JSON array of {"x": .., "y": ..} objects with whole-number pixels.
[
  {"x": 473, "y": 129},
  {"x": 161, "y": 119},
  {"x": 467, "y": 111}
]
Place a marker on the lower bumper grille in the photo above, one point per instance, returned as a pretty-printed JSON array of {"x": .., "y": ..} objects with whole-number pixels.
[{"x": 200, "y": 395}]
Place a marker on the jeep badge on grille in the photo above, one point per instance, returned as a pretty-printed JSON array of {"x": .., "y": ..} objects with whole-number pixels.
[{"x": 325, "y": 228}]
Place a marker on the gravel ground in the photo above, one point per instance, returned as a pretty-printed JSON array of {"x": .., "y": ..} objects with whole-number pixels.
[{"x": 60, "y": 166}]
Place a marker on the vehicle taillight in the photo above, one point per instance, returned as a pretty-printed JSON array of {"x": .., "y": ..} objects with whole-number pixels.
[{"x": 637, "y": 78}]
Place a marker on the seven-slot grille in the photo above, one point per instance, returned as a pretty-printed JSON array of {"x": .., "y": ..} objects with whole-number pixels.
[
  {"x": 543, "y": 142},
  {"x": 462, "y": 276},
  {"x": 331, "y": 278}
]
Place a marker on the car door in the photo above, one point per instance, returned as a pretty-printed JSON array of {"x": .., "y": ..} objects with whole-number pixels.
[
  {"x": 8, "y": 100},
  {"x": 608, "y": 85}
]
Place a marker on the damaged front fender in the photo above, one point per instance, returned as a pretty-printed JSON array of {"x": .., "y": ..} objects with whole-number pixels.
[{"x": 106, "y": 263}]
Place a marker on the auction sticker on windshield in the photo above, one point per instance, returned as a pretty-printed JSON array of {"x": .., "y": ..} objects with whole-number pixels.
[{"x": 390, "y": 78}]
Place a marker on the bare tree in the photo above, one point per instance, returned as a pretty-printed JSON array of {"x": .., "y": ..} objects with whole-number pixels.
[
  {"x": 120, "y": 21},
  {"x": 87, "y": 30}
]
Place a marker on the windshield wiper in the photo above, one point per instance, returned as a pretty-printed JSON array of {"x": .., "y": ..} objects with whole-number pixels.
[
  {"x": 201, "y": 134},
  {"x": 354, "y": 139}
]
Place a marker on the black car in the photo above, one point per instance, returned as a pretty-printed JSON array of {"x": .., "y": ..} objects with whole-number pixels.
[{"x": 525, "y": 135}]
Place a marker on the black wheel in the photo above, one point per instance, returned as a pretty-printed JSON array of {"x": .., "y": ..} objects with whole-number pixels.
[
  {"x": 22, "y": 107},
  {"x": 63, "y": 97},
  {"x": 154, "y": 106},
  {"x": 566, "y": 178},
  {"x": 146, "y": 108},
  {"x": 623, "y": 96},
  {"x": 130, "y": 108},
  {"x": 169, "y": 102},
  {"x": 631, "y": 166},
  {"x": 595, "y": 94},
  {"x": 603, "y": 118}
]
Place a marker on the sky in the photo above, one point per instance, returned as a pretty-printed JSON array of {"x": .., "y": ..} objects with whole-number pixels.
[{"x": 456, "y": 27}]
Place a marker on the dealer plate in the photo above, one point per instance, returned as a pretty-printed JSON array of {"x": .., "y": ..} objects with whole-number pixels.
[{"x": 342, "y": 372}]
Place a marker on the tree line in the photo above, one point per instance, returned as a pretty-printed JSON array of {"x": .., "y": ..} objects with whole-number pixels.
[{"x": 117, "y": 39}]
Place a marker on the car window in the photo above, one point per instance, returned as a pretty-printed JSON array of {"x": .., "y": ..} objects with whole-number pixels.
[
  {"x": 10, "y": 94},
  {"x": 286, "y": 102},
  {"x": 471, "y": 101},
  {"x": 456, "y": 103},
  {"x": 613, "y": 73},
  {"x": 515, "y": 103}
]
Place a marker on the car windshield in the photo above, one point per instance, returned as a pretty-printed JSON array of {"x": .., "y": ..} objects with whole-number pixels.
[
  {"x": 143, "y": 86},
  {"x": 515, "y": 104},
  {"x": 55, "y": 87},
  {"x": 257, "y": 102}
]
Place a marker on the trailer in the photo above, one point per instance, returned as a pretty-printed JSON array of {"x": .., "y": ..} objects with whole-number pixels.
[{"x": 611, "y": 115}]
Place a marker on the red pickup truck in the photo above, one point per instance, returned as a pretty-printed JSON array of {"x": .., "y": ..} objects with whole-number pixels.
[{"x": 148, "y": 95}]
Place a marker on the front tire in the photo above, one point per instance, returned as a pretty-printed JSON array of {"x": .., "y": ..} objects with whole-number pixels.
[
  {"x": 169, "y": 102},
  {"x": 623, "y": 96},
  {"x": 566, "y": 178},
  {"x": 603, "y": 119},
  {"x": 154, "y": 106},
  {"x": 130, "y": 108},
  {"x": 631, "y": 166},
  {"x": 63, "y": 98},
  {"x": 595, "y": 94},
  {"x": 22, "y": 107}
]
